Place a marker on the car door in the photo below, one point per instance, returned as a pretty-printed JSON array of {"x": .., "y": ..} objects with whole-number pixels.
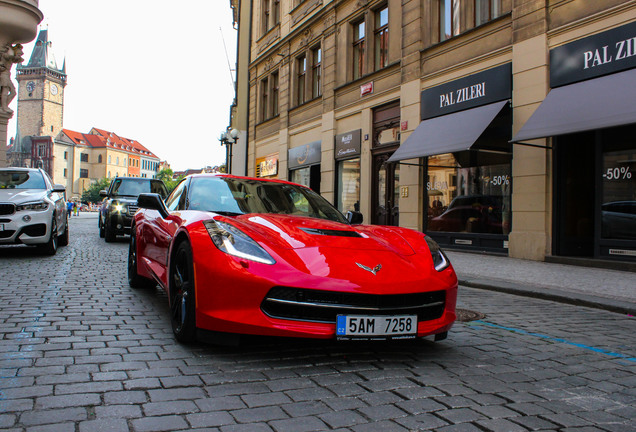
[{"x": 159, "y": 232}]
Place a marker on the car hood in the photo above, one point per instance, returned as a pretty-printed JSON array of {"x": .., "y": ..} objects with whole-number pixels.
[
  {"x": 293, "y": 232},
  {"x": 337, "y": 256},
  {"x": 19, "y": 196}
]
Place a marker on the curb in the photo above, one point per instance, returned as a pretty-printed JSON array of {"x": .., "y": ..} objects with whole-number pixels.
[{"x": 568, "y": 297}]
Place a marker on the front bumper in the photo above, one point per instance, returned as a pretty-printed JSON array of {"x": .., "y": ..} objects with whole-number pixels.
[
  {"x": 120, "y": 223},
  {"x": 14, "y": 229},
  {"x": 235, "y": 299}
]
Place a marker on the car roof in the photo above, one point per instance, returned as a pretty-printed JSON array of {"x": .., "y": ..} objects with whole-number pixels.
[{"x": 25, "y": 169}]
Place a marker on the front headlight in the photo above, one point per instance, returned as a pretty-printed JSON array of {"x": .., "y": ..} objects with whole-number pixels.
[
  {"x": 35, "y": 206},
  {"x": 118, "y": 207},
  {"x": 235, "y": 242},
  {"x": 440, "y": 261}
]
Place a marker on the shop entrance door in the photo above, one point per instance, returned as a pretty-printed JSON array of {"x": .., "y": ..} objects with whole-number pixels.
[
  {"x": 575, "y": 193},
  {"x": 386, "y": 199}
]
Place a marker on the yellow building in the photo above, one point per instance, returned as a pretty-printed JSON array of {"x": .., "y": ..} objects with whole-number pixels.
[{"x": 419, "y": 113}]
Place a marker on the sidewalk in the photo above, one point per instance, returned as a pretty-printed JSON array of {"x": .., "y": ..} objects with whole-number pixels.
[{"x": 612, "y": 290}]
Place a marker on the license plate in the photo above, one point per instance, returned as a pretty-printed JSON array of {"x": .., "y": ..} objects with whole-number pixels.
[{"x": 376, "y": 327}]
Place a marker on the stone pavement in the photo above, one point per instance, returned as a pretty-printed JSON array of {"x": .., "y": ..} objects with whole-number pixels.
[{"x": 612, "y": 290}]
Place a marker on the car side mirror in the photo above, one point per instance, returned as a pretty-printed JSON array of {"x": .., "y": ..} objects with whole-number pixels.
[
  {"x": 59, "y": 188},
  {"x": 153, "y": 201},
  {"x": 354, "y": 217},
  {"x": 103, "y": 193}
]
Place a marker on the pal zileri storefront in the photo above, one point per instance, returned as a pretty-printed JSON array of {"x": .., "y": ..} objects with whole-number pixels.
[
  {"x": 463, "y": 143},
  {"x": 589, "y": 118}
]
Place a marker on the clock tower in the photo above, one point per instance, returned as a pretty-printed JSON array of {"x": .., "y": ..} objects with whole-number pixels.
[{"x": 40, "y": 92}]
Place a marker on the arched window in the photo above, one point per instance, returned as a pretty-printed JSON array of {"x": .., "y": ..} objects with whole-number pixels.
[{"x": 99, "y": 159}]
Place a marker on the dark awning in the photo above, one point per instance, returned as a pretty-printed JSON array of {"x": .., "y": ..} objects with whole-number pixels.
[
  {"x": 587, "y": 105},
  {"x": 448, "y": 133}
]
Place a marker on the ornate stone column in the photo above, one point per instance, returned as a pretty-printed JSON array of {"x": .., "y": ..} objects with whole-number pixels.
[{"x": 19, "y": 21}]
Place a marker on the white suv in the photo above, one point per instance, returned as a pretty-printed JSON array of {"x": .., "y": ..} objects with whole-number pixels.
[{"x": 32, "y": 209}]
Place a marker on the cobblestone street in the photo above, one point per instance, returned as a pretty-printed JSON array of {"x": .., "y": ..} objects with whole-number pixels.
[{"x": 81, "y": 351}]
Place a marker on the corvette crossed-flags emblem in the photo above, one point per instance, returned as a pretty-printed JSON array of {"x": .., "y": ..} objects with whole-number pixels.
[{"x": 373, "y": 270}]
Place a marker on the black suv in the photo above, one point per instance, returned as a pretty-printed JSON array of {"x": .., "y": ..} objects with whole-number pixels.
[{"x": 120, "y": 203}]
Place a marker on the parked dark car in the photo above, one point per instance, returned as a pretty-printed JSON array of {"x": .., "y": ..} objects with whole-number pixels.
[
  {"x": 120, "y": 204},
  {"x": 472, "y": 214}
]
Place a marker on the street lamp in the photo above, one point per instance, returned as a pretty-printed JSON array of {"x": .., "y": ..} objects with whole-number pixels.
[{"x": 228, "y": 138}]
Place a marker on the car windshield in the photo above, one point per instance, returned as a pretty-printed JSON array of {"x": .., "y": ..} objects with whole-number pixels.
[
  {"x": 134, "y": 187},
  {"x": 242, "y": 196},
  {"x": 21, "y": 180}
]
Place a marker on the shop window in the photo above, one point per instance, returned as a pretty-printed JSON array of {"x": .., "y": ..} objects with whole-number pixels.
[
  {"x": 301, "y": 76},
  {"x": 348, "y": 183},
  {"x": 618, "y": 203},
  {"x": 448, "y": 19},
  {"x": 381, "y": 38},
  {"x": 469, "y": 196},
  {"x": 316, "y": 72},
  {"x": 486, "y": 10},
  {"x": 358, "y": 49}
]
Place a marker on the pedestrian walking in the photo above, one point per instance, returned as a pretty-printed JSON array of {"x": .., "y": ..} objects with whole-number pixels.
[{"x": 69, "y": 208}]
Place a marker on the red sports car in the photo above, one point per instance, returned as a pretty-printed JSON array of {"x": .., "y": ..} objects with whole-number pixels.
[{"x": 239, "y": 255}]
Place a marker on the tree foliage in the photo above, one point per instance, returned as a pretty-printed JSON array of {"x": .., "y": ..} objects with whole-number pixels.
[
  {"x": 165, "y": 175},
  {"x": 91, "y": 194}
]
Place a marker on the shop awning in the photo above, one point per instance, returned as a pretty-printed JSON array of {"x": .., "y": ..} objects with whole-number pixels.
[
  {"x": 448, "y": 133},
  {"x": 587, "y": 105}
]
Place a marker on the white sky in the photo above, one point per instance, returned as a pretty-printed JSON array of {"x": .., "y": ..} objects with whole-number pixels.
[{"x": 155, "y": 71}]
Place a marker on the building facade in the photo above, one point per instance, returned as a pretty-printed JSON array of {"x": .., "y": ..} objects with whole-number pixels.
[
  {"x": 18, "y": 25},
  {"x": 81, "y": 159},
  {"x": 419, "y": 113}
]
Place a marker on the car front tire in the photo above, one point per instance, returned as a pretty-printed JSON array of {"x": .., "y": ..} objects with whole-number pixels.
[
  {"x": 64, "y": 238},
  {"x": 101, "y": 226},
  {"x": 134, "y": 280},
  {"x": 109, "y": 235},
  {"x": 182, "y": 294},
  {"x": 50, "y": 247}
]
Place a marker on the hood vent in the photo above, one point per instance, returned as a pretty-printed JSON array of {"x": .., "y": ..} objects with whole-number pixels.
[{"x": 327, "y": 232}]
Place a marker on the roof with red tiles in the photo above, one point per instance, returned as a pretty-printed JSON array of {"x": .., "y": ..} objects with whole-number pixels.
[{"x": 101, "y": 138}]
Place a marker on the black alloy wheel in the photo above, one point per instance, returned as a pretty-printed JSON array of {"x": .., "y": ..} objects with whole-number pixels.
[
  {"x": 134, "y": 280},
  {"x": 182, "y": 295},
  {"x": 50, "y": 247}
]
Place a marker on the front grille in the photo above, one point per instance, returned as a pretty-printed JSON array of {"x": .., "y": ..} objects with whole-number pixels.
[
  {"x": 7, "y": 209},
  {"x": 132, "y": 209},
  {"x": 324, "y": 306}
]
